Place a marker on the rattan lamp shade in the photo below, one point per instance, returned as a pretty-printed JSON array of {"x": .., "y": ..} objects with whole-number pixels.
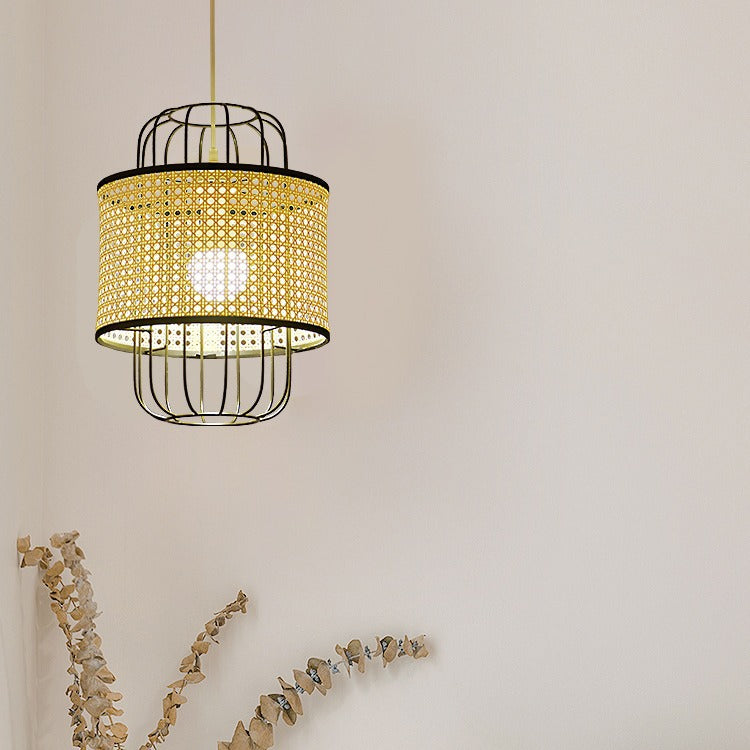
[
  {"x": 213, "y": 244},
  {"x": 215, "y": 265}
]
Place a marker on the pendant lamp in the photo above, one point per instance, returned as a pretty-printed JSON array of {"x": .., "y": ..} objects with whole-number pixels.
[{"x": 212, "y": 268}]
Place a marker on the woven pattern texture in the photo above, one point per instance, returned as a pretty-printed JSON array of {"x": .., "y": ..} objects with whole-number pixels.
[{"x": 217, "y": 244}]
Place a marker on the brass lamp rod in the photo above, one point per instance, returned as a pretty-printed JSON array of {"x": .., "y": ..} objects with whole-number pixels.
[{"x": 213, "y": 153}]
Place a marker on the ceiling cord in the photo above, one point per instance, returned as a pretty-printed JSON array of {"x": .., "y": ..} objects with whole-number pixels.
[{"x": 213, "y": 153}]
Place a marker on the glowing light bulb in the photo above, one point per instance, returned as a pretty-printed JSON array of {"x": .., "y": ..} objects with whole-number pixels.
[{"x": 218, "y": 275}]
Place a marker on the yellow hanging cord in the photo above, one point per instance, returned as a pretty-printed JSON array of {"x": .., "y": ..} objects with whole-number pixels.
[{"x": 213, "y": 153}]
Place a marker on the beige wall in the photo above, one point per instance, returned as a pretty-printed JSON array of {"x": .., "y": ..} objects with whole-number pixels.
[
  {"x": 22, "y": 369},
  {"x": 529, "y": 435}
]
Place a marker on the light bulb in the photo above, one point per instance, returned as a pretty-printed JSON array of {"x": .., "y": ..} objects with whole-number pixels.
[{"x": 218, "y": 275}]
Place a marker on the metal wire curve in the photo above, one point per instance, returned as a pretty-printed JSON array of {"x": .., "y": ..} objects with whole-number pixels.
[
  {"x": 157, "y": 136},
  {"x": 156, "y": 396}
]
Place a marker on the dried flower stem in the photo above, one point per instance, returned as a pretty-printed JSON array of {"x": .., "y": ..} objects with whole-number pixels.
[
  {"x": 75, "y": 610},
  {"x": 288, "y": 704},
  {"x": 191, "y": 667}
]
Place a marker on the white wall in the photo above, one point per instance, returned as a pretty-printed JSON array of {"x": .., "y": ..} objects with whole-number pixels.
[
  {"x": 22, "y": 369},
  {"x": 529, "y": 435}
]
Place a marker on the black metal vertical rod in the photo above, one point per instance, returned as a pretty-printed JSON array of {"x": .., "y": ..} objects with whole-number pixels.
[
  {"x": 237, "y": 368},
  {"x": 236, "y": 147},
  {"x": 200, "y": 391},
  {"x": 187, "y": 129},
  {"x": 184, "y": 370},
  {"x": 261, "y": 386},
  {"x": 284, "y": 400},
  {"x": 166, "y": 367},
  {"x": 153, "y": 140},
  {"x": 276, "y": 124},
  {"x": 273, "y": 369},
  {"x": 138, "y": 158},
  {"x": 226, "y": 365},
  {"x": 151, "y": 371},
  {"x": 169, "y": 141},
  {"x": 138, "y": 379},
  {"x": 200, "y": 145},
  {"x": 263, "y": 145},
  {"x": 226, "y": 134}
]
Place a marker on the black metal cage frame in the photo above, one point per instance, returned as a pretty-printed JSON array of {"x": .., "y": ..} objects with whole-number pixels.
[{"x": 176, "y": 138}]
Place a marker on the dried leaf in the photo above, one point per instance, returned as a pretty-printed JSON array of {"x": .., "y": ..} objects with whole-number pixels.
[
  {"x": 353, "y": 654},
  {"x": 23, "y": 544},
  {"x": 418, "y": 647},
  {"x": 57, "y": 540},
  {"x": 389, "y": 647},
  {"x": 187, "y": 663},
  {"x": 62, "y": 617},
  {"x": 200, "y": 647},
  {"x": 193, "y": 678},
  {"x": 325, "y": 675},
  {"x": 292, "y": 696},
  {"x": 96, "y": 705},
  {"x": 119, "y": 731},
  {"x": 320, "y": 673},
  {"x": 32, "y": 557},
  {"x": 54, "y": 570},
  {"x": 241, "y": 739},
  {"x": 105, "y": 675},
  {"x": 356, "y": 653},
  {"x": 261, "y": 733},
  {"x": 269, "y": 709},
  {"x": 242, "y": 601},
  {"x": 304, "y": 681},
  {"x": 287, "y": 712},
  {"x": 341, "y": 651}
]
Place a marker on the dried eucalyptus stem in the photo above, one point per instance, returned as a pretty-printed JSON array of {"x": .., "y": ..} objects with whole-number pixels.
[
  {"x": 75, "y": 610},
  {"x": 191, "y": 667},
  {"x": 318, "y": 676}
]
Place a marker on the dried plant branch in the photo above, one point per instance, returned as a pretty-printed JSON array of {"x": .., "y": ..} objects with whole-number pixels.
[
  {"x": 318, "y": 676},
  {"x": 92, "y": 698},
  {"x": 75, "y": 609},
  {"x": 190, "y": 666}
]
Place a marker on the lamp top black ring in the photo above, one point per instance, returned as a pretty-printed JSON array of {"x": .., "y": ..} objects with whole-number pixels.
[{"x": 263, "y": 168}]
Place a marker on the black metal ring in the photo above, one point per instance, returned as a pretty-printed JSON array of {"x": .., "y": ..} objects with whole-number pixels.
[
  {"x": 214, "y": 165},
  {"x": 229, "y": 319}
]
